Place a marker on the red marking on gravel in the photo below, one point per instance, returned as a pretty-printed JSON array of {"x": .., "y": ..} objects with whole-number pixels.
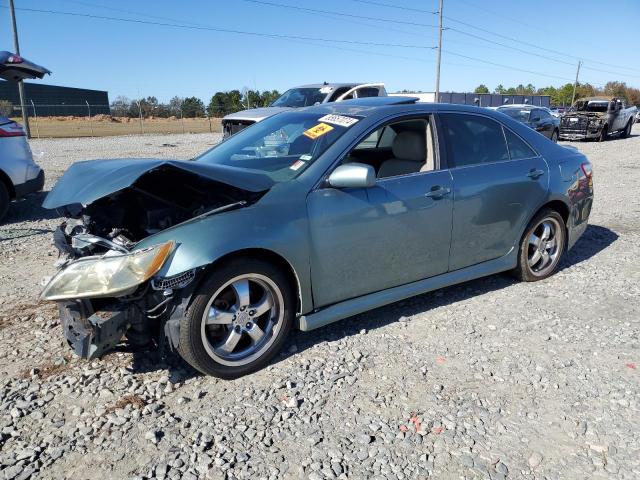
[
  {"x": 437, "y": 430},
  {"x": 404, "y": 428},
  {"x": 440, "y": 360},
  {"x": 631, "y": 365}
]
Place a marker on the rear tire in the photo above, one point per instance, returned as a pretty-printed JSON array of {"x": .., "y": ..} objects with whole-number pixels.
[
  {"x": 627, "y": 130},
  {"x": 238, "y": 320},
  {"x": 604, "y": 134},
  {"x": 5, "y": 199},
  {"x": 541, "y": 247}
]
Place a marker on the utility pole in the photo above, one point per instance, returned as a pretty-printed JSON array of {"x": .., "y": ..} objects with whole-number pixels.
[
  {"x": 575, "y": 84},
  {"x": 437, "y": 99},
  {"x": 16, "y": 46}
]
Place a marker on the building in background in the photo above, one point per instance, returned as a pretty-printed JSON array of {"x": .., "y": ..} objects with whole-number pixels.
[
  {"x": 52, "y": 100},
  {"x": 480, "y": 99}
]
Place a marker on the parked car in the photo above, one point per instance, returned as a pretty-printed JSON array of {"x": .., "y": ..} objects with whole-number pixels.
[
  {"x": 304, "y": 96},
  {"x": 19, "y": 174},
  {"x": 597, "y": 118},
  {"x": 538, "y": 118},
  {"x": 307, "y": 218},
  {"x": 637, "y": 119}
]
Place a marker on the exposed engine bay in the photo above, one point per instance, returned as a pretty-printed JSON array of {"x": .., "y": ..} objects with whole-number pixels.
[{"x": 160, "y": 199}]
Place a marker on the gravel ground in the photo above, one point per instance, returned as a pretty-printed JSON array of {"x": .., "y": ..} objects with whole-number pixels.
[{"x": 489, "y": 379}]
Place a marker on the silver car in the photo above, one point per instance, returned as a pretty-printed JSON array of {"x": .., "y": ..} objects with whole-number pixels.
[
  {"x": 304, "y": 96},
  {"x": 19, "y": 174}
]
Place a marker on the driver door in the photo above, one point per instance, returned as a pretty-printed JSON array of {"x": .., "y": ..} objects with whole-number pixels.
[{"x": 365, "y": 240}]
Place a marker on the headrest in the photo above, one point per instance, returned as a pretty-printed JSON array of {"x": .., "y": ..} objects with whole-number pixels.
[{"x": 409, "y": 146}]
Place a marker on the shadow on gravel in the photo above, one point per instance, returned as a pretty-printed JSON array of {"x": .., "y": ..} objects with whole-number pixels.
[
  {"x": 29, "y": 209},
  {"x": 594, "y": 240}
]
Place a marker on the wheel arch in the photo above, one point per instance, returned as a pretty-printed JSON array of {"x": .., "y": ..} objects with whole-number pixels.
[{"x": 263, "y": 254}]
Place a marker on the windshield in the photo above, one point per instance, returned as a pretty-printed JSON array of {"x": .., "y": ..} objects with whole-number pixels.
[
  {"x": 282, "y": 146},
  {"x": 586, "y": 106},
  {"x": 300, "y": 97},
  {"x": 516, "y": 114}
]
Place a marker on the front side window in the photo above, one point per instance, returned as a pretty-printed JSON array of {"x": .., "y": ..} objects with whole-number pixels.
[
  {"x": 472, "y": 139},
  {"x": 281, "y": 146},
  {"x": 399, "y": 148}
]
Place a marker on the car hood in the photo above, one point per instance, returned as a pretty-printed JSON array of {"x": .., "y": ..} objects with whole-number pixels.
[
  {"x": 88, "y": 181},
  {"x": 256, "y": 114}
]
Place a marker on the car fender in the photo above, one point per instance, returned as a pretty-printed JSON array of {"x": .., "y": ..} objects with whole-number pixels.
[{"x": 203, "y": 241}]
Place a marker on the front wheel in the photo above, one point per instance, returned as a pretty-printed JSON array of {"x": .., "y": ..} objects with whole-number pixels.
[
  {"x": 604, "y": 133},
  {"x": 554, "y": 136},
  {"x": 541, "y": 247},
  {"x": 238, "y": 320}
]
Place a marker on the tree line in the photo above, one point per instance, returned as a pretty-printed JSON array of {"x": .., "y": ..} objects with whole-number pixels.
[
  {"x": 221, "y": 104},
  {"x": 562, "y": 95}
]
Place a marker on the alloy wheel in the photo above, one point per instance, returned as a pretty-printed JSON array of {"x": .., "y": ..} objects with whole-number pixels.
[
  {"x": 242, "y": 319},
  {"x": 545, "y": 244}
]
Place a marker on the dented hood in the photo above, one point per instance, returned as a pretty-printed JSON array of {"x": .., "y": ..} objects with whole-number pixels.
[{"x": 86, "y": 182}]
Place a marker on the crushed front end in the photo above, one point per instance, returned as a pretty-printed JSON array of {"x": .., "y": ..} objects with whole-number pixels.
[{"x": 581, "y": 126}]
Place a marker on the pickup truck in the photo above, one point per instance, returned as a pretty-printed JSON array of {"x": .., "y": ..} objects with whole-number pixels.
[
  {"x": 597, "y": 118},
  {"x": 304, "y": 96}
]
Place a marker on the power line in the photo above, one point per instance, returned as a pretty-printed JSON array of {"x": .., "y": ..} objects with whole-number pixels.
[
  {"x": 222, "y": 30},
  {"x": 313, "y": 10},
  {"x": 380, "y": 4}
]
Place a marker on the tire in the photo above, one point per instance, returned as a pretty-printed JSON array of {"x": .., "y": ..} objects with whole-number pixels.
[
  {"x": 554, "y": 136},
  {"x": 238, "y": 320},
  {"x": 604, "y": 133},
  {"x": 627, "y": 130},
  {"x": 5, "y": 199},
  {"x": 534, "y": 266}
]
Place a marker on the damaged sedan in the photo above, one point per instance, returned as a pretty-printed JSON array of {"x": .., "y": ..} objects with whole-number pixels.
[{"x": 308, "y": 217}]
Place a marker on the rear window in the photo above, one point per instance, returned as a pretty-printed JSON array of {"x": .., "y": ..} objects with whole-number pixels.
[{"x": 518, "y": 149}]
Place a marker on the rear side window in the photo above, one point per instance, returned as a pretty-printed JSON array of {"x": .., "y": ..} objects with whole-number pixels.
[
  {"x": 472, "y": 139},
  {"x": 517, "y": 148}
]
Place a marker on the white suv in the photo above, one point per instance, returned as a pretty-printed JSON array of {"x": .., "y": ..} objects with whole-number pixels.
[{"x": 19, "y": 174}]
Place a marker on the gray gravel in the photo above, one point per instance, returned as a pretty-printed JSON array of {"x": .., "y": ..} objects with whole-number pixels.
[{"x": 489, "y": 379}]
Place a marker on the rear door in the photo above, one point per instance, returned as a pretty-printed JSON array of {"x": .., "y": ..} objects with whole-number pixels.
[{"x": 498, "y": 182}]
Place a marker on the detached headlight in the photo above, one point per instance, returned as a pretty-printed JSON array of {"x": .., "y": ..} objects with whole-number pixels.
[{"x": 107, "y": 276}]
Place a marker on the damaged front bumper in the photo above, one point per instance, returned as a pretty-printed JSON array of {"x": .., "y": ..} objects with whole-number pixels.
[{"x": 92, "y": 333}]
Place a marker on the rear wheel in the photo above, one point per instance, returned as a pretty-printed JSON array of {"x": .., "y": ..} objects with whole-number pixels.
[
  {"x": 5, "y": 199},
  {"x": 541, "y": 247},
  {"x": 627, "y": 130},
  {"x": 604, "y": 133},
  {"x": 239, "y": 319}
]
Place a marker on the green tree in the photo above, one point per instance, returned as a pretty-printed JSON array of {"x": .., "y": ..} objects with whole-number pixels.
[
  {"x": 192, "y": 107},
  {"x": 616, "y": 89},
  {"x": 268, "y": 97},
  {"x": 499, "y": 89},
  {"x": 482, "y": 88}
]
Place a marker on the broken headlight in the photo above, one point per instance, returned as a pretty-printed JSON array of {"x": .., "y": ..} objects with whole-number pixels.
[{"x": 107, "y": 275}]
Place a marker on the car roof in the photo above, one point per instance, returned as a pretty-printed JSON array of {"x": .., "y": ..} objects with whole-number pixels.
[
  {"x": 331, "y": 85},
  {"x": 523, "y": 106}
]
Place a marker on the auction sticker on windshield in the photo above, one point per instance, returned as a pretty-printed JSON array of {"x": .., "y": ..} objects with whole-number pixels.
[
  {"x": 340, "y": 120},
  {"x": 318, "y": 130}
]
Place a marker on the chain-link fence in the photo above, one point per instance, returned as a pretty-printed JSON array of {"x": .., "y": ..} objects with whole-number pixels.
[{"x": 88, "y": 120}]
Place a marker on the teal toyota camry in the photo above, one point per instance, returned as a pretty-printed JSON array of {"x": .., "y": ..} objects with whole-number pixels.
[{"x": 303, "y": 219}]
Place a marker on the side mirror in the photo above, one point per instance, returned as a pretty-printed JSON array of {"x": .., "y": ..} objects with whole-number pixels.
[
  {"x": 535, "y": 119},
  {"x": 353, "y": 175}
]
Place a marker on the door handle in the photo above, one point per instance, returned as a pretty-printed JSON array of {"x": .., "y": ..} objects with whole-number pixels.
[
  {"x": 437, "y": 192},
  {"x": 535, "y": 174}
]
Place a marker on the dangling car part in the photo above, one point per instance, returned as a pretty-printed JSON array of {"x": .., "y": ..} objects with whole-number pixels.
[{"x": 306, "y": 218}]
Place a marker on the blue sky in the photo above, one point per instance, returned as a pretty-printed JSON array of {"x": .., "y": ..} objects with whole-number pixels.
[{"x": 137, "y": 59}]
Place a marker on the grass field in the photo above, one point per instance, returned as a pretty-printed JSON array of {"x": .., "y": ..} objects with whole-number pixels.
[{"x": 104, "y": 126}]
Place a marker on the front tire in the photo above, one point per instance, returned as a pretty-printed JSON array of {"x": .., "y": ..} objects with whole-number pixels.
[
  {"x": 604, "y": 134},
  {"x": 554, "y": 136},
  {"x": 5, "y": 199},
  {"x": 541, "y": 247},
  {"x": 238, "y": 320}
]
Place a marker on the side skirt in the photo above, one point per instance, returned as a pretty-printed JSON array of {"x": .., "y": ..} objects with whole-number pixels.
[{"x": 358, "y": 305}]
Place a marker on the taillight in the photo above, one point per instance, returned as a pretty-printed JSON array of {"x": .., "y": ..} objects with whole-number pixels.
[
  {"x": 15, "y": 59},
  {"x": 11, "y": 129},
  {"x": 586, "y": 169}
]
